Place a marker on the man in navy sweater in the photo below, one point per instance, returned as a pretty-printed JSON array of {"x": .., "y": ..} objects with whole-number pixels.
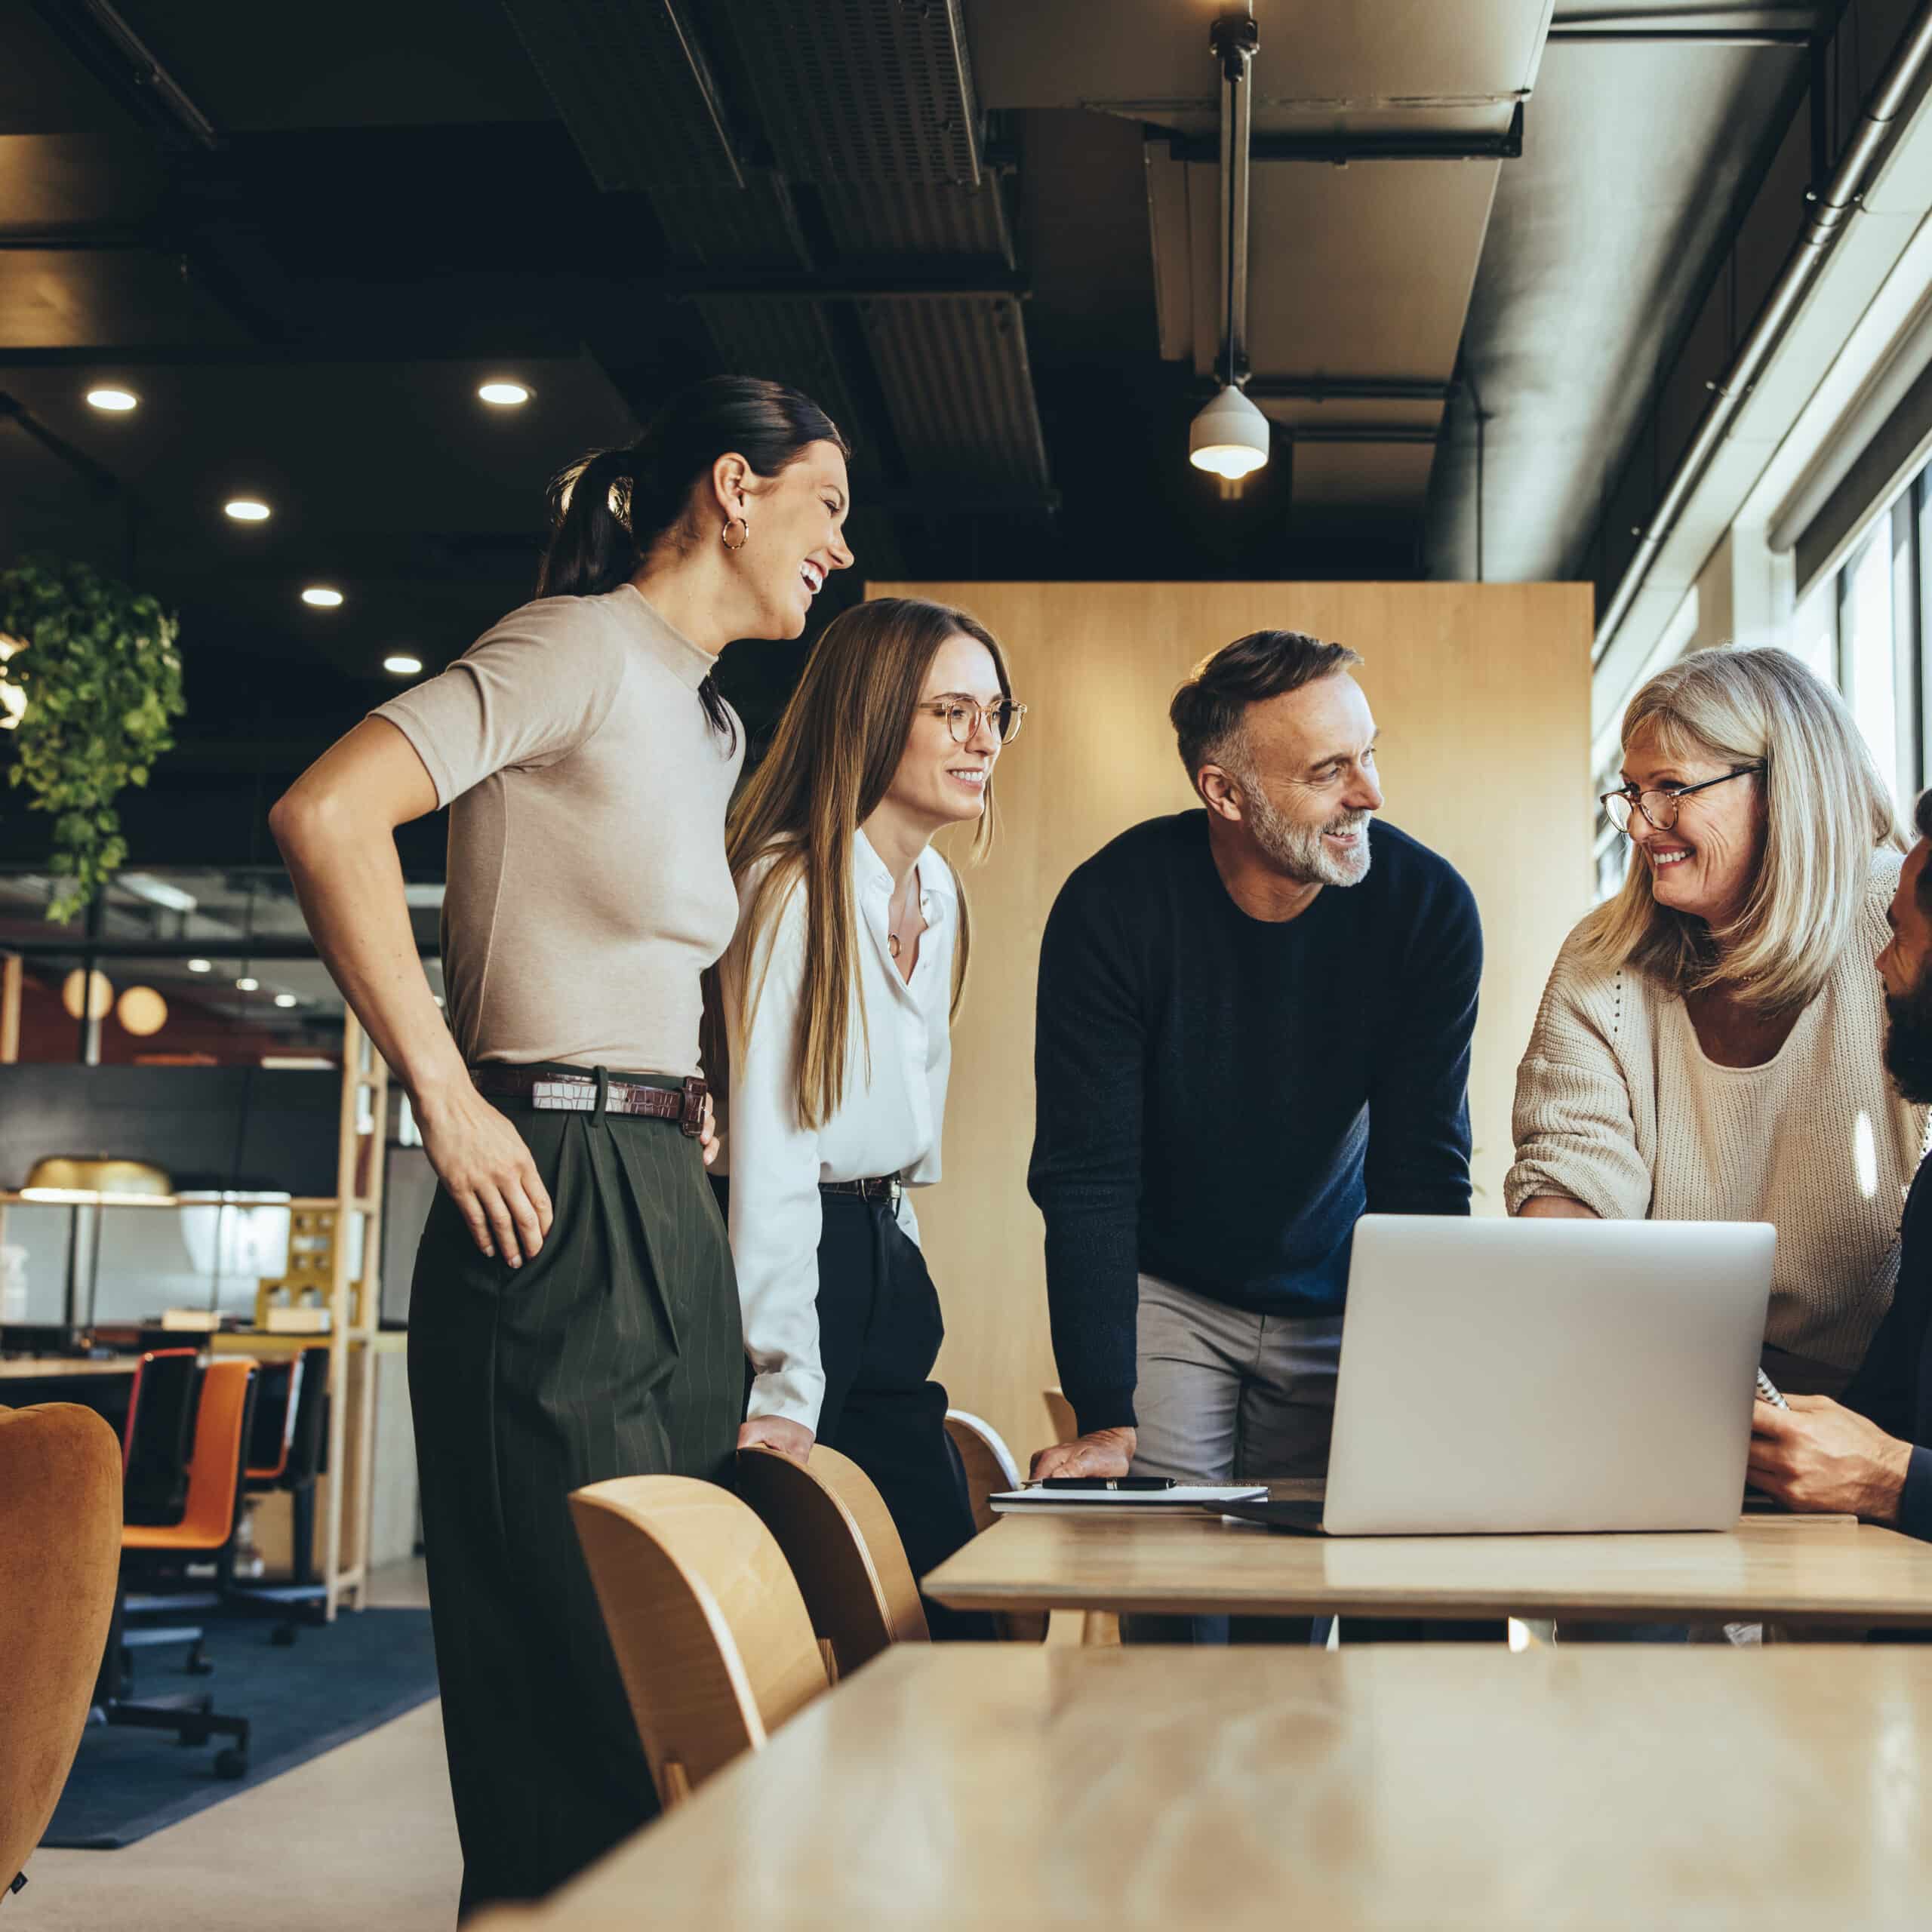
[
  {"x": 1253, "y": 1026},
  {"x": 1871, "y": 1455}
]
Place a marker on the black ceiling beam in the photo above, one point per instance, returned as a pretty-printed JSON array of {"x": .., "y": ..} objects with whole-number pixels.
[
  {"x": 260, "y": 947},
  {"x": 1340, "y": 149},
  {"x": 117, "y": 57},
  {"x": 559, "y": 348},
  {"x": 1357, "y": 432},
  {"x": 1649, "y": 36},
  {"x": 101, "y": 480},
  {"x": 1349, "y": 389},
  {"x": 761, "y": 284}
]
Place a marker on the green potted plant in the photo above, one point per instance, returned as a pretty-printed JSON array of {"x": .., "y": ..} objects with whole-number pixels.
[{"x": 96, "y": 664}]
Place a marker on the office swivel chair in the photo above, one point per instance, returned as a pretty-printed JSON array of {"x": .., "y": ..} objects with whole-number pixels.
[
  {"x": 287, "y": 1449},
  {"x": 203, "y": 1533}
]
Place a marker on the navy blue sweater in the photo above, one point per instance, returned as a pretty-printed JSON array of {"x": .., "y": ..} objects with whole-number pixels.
[
  {"x": 1894, "y": 1384},
  {"x": 1220, "y": 1098}
]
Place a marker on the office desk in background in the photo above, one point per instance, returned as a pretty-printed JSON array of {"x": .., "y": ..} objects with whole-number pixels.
[
  {"x": 58, "y": 1368},
  {"x": 1823, "y": 1570},
  {"x": 960, "y": 1785}
]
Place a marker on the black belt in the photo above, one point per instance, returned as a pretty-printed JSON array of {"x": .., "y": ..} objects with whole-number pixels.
[
  {"x": 882, "y": 1187},
  {"x": 547, "y": 1092}
]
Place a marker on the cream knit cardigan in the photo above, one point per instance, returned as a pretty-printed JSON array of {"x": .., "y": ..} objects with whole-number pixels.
[{"x": 1617, "y": 1106}]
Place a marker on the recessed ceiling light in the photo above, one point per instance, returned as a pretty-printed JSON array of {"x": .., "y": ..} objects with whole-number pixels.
[
  {"x": 322, "y": 597},
  {"x": 284, "y": 999},
  {"x": 115, "y": 402},
  {"x": 200, "y": 966},
  {"x": 401, "y": 665},
  {"x": 246, "y": 985},
  {"x": 504, "y": 395},
  {"x": 247, "y": 509}
]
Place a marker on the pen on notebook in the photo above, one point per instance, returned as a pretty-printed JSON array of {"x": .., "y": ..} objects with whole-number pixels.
[{"x": 1767, "y": 1391}]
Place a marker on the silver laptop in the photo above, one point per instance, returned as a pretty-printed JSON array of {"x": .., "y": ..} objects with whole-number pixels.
[{"x": 1513, "y": 1375}]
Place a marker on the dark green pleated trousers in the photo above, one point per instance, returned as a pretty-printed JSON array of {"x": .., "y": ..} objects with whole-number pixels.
[{"x": 618, "y": 1351}]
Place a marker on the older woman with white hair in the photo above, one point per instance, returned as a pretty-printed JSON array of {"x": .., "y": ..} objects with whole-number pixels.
[{"x": 1709, "y": 1044}]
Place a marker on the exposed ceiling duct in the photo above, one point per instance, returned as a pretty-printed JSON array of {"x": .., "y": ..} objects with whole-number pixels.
[
  {"x": 801, "y": 153},
  {"x": 1378, "y": 134}
]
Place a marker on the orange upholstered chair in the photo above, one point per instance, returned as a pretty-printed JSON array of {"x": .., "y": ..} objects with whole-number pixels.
[
  {"x": 203, "y": 1534},
  {"x": 60, "y": 1538},
  {"x": 214, "y": 1472}
]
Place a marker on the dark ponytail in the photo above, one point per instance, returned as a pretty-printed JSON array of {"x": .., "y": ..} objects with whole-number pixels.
[{"x": 608, "y": 511}]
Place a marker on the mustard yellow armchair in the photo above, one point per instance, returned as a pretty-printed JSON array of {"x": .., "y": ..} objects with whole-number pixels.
[{"x": 60, "y": 1555}]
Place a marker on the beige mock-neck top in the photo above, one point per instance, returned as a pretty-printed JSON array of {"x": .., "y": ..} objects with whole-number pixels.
[{"x": 587, "y": 887}]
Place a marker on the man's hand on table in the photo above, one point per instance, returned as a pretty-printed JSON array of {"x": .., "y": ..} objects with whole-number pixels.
[
  {"x": 1106, "y": 1452},
  {"x": 1819, "y": 1455}
]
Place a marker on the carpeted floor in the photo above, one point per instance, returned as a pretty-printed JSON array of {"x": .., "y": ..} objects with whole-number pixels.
[{"x": 335, "y": 1682}]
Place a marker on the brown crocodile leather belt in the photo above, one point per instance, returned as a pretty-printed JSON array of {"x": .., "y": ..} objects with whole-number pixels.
[{"x": 548, "y": 1091}]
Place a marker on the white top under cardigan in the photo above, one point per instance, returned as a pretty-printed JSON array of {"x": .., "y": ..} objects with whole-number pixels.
[
  {"x": 1618, "y": 1106},
  {"x": 889, "y": 1121}
]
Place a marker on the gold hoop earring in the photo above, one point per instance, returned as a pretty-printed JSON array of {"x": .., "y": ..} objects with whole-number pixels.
[{"x": 744, "y": 531}]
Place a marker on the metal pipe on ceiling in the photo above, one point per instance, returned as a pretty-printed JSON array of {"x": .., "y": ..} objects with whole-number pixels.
[
  {"x": 1235, "y": 39},
  {"x": 1835, "y": 204},
  {"x": 1683, "y": 36},
  {"x": 1334, "y": 150}
]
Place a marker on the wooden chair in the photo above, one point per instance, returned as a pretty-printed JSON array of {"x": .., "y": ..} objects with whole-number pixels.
[
  {"x": 990, "y": 1469},
  {"x": 60, "y": 1547},
  {"x": 712, "y": 1636},
  {"x": 838, "y": 1536}
]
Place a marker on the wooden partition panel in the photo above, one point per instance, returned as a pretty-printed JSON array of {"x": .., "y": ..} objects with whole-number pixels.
[{"x": 1482, "y": 694}]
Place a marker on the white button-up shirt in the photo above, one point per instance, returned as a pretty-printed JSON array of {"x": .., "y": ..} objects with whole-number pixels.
[{"x": 889, "y": 1121}]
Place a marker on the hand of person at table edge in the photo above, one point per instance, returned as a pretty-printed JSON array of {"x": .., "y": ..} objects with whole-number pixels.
[
  {"x": 1819, "y": 1455},
  {"x": 1100, "y": 1453},
  {"x": 707, "y": 1134},
  {"x": 776, "y": 1432}
]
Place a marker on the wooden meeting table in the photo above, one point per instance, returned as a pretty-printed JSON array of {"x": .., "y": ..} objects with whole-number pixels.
[
  {"x": 972, "y": 1786},
  {"x": 1828, "y": 1572}
]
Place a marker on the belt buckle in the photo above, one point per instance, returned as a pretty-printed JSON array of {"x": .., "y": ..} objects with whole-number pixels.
[{"x": 691, "y": 1122}]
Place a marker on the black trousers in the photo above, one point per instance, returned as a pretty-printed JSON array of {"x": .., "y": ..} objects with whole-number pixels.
[
  {"x": 879, "y": 1330},
  {"x": 618, "y": 1351}
]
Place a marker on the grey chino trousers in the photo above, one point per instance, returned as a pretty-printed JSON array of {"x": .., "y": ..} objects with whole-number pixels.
[{"x": 1228, "y": 1395}]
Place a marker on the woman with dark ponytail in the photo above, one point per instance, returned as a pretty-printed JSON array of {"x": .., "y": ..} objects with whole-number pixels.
[{"x": 574, "y": 1314}]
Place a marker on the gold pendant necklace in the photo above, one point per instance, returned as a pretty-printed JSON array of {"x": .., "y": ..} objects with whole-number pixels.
[{"x": 892, "y": 941}]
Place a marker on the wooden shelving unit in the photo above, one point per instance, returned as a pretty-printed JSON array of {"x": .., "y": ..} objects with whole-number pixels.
[
  {"x": 354, "y": 1214},
  {"x": 354, "y": 1298}
]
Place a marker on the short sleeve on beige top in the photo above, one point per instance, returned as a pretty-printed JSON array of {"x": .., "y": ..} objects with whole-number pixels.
[{"x": 587, "y": 885}]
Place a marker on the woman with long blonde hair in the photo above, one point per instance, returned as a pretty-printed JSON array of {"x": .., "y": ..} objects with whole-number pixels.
[
  {"x": 836, "y": 999},
  {"x": 1709, "y": 1045}
]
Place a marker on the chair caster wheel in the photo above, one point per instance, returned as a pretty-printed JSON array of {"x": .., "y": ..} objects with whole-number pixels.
[
  {"x": 230, "y": 1763},
  {"x": 198, "y": 1666}
]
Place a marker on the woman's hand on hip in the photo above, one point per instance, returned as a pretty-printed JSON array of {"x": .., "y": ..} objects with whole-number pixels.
[
  {"x": 483, "y": 1161},
  {"x": 779, "y": 1433},
  {"x": 707, "y": 1133}
]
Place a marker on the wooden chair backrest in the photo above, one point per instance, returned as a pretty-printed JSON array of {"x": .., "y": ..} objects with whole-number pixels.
[
  {"x": 214, "y": 1473},
  {"x": 60, "y": 1557},
  {"x": 990, "y": 1466},
  {"x": 1061, "y": 1417},
  {"x": 711, "y": 1634},
  {"x": 838, "y": 1536}
]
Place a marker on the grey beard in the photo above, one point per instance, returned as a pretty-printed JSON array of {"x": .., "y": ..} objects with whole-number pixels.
[{"x": 1298, "y": 849}]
